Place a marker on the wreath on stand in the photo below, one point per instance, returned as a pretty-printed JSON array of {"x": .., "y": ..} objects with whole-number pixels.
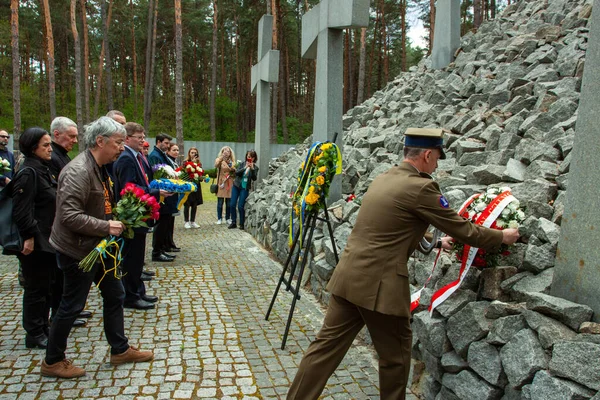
[{"x": 323, "y": 162}]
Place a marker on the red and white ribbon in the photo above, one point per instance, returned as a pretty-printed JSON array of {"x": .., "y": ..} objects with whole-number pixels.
[
  {"x": 486, "y": 219},
  {"x": 415, "y": 298}
]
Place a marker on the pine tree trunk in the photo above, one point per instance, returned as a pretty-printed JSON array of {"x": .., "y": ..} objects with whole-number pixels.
[
  {"x": 14, "y": 42},
  {"x": 50, "y": 42},
  {"x": 150, "y": 52},
  {"x": 477, "y": 13},
  {"x": 178, "y": 79},
  {"x": 107, "y": 61},
  {"x": 275, "y": 86},
  {"x": 213, "y": 83},
  {"x": 403, "y": 35},
  {"x": 134, "y": 60},
  {"x": 361, "y": 66},
  {"x": 77, "y": 50},
  {"x": 86, "y": 64},
  {"x": 101, "y": 68}
]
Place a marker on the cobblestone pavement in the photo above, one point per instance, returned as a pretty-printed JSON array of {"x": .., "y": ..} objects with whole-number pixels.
[{"x": 208, "y": 332}]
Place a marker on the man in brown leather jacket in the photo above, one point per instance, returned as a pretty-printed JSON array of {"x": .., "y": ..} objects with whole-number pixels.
[
  {"x": 84, "y": 201},
  {"x": 370, "y": 283}
]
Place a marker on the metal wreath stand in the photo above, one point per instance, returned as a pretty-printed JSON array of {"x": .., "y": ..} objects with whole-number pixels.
[{"x": 302, "y": 254}]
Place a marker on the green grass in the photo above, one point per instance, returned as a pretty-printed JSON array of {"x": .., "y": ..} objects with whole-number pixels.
[{"x": 207, "y": 196}]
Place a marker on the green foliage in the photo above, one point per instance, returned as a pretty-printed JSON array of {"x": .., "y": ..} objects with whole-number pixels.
[{"x": 297, "y": 131}]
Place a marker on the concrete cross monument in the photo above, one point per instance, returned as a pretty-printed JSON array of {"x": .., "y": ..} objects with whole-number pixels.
[
  {"x": 446, "y": 35},
  {"x": 322, "y": 38},
  {"x": 264, "y": 72},
  {"x": 577, "y": 269}
]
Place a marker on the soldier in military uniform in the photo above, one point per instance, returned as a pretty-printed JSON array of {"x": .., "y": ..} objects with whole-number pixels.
[{"x": 370, "y": 283}]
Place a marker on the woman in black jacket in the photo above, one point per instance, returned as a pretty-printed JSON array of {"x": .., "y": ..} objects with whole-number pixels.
[{"x": 34, "y": 200}]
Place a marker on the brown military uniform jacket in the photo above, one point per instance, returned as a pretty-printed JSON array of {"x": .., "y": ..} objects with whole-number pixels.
[{"x": 395, "y": 213}]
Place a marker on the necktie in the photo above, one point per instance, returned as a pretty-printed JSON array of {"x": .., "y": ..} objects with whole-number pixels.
[{"x": 141, "y": 163}]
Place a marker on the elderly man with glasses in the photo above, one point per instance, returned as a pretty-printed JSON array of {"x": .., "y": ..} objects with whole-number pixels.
[{"x": 132, "y": 167}]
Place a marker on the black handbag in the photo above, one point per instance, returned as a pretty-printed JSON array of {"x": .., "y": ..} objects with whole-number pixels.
[
  {"x": 214, "y": 187},
  {"x": 10, "y": 239}
]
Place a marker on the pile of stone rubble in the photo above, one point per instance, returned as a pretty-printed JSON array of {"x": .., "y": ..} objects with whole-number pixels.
[{"x": 508, "y": 105}]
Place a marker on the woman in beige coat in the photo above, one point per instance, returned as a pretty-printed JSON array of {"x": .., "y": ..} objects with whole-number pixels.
[{"x": 225, "y": 165}]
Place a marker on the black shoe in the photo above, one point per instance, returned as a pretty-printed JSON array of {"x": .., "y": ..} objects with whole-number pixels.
[
  {"x": 232, "y": 226},
  {"x": 139, "y": 305},
  {"x": 36, "y": 342},
  {"x": 242, "y": 227},
  {"x": 79, "y": 322},
  {"x": 162, "y": 258},
  {"x": 169, "y": 255},
  {"x": 150, "y": 298},
  {"x": 85, "y": 314},
  {"x": 174, "y": 249},
  {"x": 146, "y": 272},
  {"x": 145, "y": 278}
]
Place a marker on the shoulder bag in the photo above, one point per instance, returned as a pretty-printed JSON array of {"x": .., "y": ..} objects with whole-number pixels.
[{"x": 10, "y": 239}]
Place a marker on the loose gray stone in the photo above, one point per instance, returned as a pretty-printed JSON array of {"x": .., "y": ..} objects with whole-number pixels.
[
  {"x": 452, "y": 362},
  {"x": 488, "y": 174},
  {"x": 468, "y": 146},
  {"x": 548, "y": 231},
  {"x": 539, "y": 258},
  {"x": 431, "y": 387},
  {"x": 514, "y": 172},
  {"x": 491, "y": 278},
  {"x": 503, "y": 329},
  {"x": 539, "y": 283},
  {"x": 522, "y": 357},
  {"x": 567, "y": 312},
  {"x": 549, "y": 330},
  {"x": 456, "y": 302},
  {"x": 467, "y": 385},
  {"x": 499, "y": 309},
  {"x": 577, "y": 361},
  {"x": 484, "y": 359},
  {"x": 529, "y": 150},
  {"x": 431, "y": 331},
  {"x": 467, "y": 326},
  {"x": 433, "y": 364},
  {"x": 542, "y": 169},
  {"x": 548, "y": 387}
]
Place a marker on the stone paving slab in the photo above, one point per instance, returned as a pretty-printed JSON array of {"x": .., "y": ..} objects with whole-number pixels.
[{"x": 208, "y": 332}]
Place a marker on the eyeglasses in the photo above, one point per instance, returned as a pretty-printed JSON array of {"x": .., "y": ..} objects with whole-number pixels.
[
  {"x": 4, "y": 137},
  {"x": 142, "y": 137}
]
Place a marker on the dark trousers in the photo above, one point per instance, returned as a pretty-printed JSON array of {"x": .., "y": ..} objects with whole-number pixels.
[
  {"x": 220, "y": 202},
  {"x": 170, "y": 241},
  {"x": 392, "y": 338},
  {"x": 133, "y": 265},
  {"x": 238, "y": 199},
  {"x": 77, "y": 285},
  {"x": 39, "y": 272},
  {"x": 186, "y": 212},
  {"x": 160, "y": 236}
]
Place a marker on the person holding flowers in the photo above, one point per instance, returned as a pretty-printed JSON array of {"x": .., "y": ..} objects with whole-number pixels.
[
  {"x": 132, "y": 168},
  {"x": 370, "y": 286},
  {"x": 225, "y": 165},
  {"x": 84, "y": 204},
  {"x": 246, "y": 172},
  {"x": 195, "y": 198}
]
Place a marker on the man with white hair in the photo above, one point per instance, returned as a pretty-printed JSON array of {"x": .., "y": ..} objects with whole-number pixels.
[
  {"x": 64, "y": 136},
  {"x": 84, "y": 203}
]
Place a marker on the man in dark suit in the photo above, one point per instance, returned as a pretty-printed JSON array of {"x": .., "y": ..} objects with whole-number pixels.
[
  {"x": 131, "y": 167},
  {"x": 370, "y": 283},
  {"x": 160, "y": 237}
]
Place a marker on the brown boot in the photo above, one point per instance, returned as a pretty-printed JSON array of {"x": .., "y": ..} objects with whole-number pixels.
[
  {"x": 132, "y": 354},
  {"x": 62, "y": 369}
]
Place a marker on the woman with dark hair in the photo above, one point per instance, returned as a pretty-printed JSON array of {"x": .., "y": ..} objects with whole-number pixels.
[
  {"x": 195, "y": 198},
  {"x": 245, "y": 173},
  {"x": 34, "y": 199}
]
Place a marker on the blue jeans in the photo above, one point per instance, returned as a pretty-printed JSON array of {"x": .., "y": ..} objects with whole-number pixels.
[
  {"x": 77, "y": 285},
  {"x": 238, "y": 198},
  {"x": 220, "y": 201}
]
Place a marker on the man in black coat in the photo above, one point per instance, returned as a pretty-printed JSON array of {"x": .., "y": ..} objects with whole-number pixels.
[
  {"x": 64, "y": 136},
  {"x": 131, "y": 167},
  {"x": 160, "y": 237}
]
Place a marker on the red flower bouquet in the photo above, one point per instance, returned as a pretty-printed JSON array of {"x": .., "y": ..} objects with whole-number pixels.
[
  {"x": 133, "y": 210},
  {"x": 190, "y": 171}
]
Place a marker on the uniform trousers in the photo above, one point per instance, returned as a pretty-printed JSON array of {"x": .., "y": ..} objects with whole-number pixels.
[
  {"x": 160, "y": 237},
  {"x": 392, "y": 338}
]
